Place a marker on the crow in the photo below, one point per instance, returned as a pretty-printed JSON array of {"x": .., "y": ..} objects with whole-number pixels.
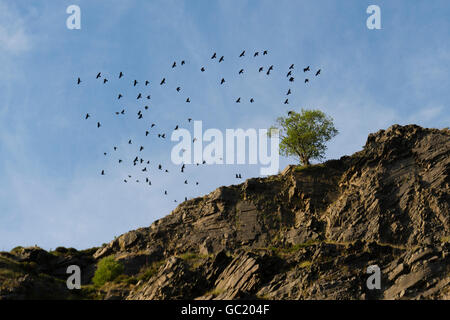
[
  {"x": 222, "y": 81},
  {"x": 213, "y": 56},
  {"x": 188, "y": 100},
  {"x": 286, "y": 101},
  {"x": 145, "y": 169},
  {"x": 292, "y": 66},
  {"x": 163, "y": 81},
  {"x": 146, "y": 107},
  {"x": 104, "y": 153},
  {"x": 98, "y": 75},
  {"x": 129, "y": 141},
  {"x": 98, "y": 125},
  {"x": 115, "y": 148},
  {"x": 140, "y": 116},
  {"x": 256, "y": 54},
  {"x": 260, "y": 69},
  {"x": 242, "y": 54},
  {"x": 306, "y": 80},
  {"x": 185, "y": 182},
  {"x": 241, "y": 71},
  {"x": 120, "y": 96},
  {"x": 251, "y": 100},
  {"x": 176, "y": 128},
  {"x": 78, "y": 81},
  {"x": 87, "y": 116},
  {"x": 146, "y": 133},
  {"x": 221, "y": 59},
  {"x": 147, "y": 82},
  {"x": 182, "y": 62},
  {"x": 306, "y": 69},
  {"x": 141, "y": 148},
  {"x": 123, "y": 111},
  {"x": 148, "y": 97},
  {"x": 264, "y": 52},
  {"x": 178, "y": 89},
  {"x": 152, "y": 125},
  {"x": 318, "y": 72},
  {"x": 174, "y": 64},
  {"x": 103, "y": 172},
  {"x": 182, "y": 168},
  {"x": 288, "y": 74},
  {"x": 159, "y": 167},
  {"x": 105, "y": 80},
  {"x": 238, "y": 100},
  {"x": 120, "y": 161},
  {"x": 291, "y": 79},
  {"x": 290, "y": 113},
  {"x": 139, "y": 96},
  {"x": 289, "y": 92},
  {"x": 189, "y": 119},
  {"x": 120, "y": 74},
  {"x": 135, "y": 83},
  {"x": 202, "y": 69}
]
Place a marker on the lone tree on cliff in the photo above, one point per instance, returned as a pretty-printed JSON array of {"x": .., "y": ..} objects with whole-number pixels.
[{"x": 304, "y": 134}]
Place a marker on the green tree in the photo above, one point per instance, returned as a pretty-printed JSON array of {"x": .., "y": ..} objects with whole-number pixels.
[
  {"x": 304, "y": 134},
  {"x": 108, "y": 269}
]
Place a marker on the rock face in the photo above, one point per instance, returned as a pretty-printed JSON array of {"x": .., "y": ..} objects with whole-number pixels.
[{"x": 307, "y": 233}]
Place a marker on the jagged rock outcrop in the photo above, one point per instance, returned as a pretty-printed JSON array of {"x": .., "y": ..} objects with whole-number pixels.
[{"x": 306, "y": 233}]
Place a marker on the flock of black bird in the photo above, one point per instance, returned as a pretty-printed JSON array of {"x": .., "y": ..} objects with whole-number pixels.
[{"x": 145, "y": 164}]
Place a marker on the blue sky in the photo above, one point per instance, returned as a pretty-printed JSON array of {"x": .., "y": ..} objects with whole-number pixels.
[{"x": 51, "y": 192}]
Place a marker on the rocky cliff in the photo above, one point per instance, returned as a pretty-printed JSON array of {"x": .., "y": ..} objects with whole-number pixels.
[{"x": 306, "y": 233}]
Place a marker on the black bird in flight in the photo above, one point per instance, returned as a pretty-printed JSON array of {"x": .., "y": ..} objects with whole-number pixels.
[
  {"x": 289, "y": 92},
  {"x": 163, "y": 81},
  {"x": 202, "y": 69},
  {"x": 135, "y": 83},
  {"x": 286, "y": 101},
  {"x": 178, "y": 89},
  {"x": 120, "y": 96},
  {"x": 241, "y": 71},
  {"x": 159, "y": 167},
  {"x": 213, "y": 56},
  {"x": 115, "y": 148},
  {"x": 98, "y": 75},
  {"x": 120, "y": 74},
  {"x": 265, "y": 52},
  {"x": 182, "y": 168},
  {"x": 288, "y": 74},
  {"x": 318, "y": 72},
  {"x": 139, "y": 96},
  {"x": 185, "y": 182},
  {"x": 120, "y": 161},
  {"x": 290, "y": 112},
  {"x": 78, "y": 81},
  {"x": 188, "y": 100},
  {"x": 256, "y": 54},
  {"x": 291, "y": 79},
  {"x": 148, "y": 97},
  {"x": 221, "y": 59},
  {"x": 152, "y": 125},
  {"x": 306, "y": 69},
  {"x": 291, "y": 67},
  {"x": 238, "y": 100},
  {"x": 129, "y": 141},
  {"x": 87, "y": 116},
  {"x": 98, "y": 125},
  {"x": 146, "y": 133},
  {"x": 104, "y": 153},
  {"x": 306, "y": 80},
  {"x": 123, "y": 111},
  {"x": 140, "y": 116},
  {"x": 174, "y": 64},
  {"x": 165, "y": 192},
  {"x": 146, "y": 107},
  {"x": 260, "y": 69},
  {"x": 145, "y": 169},
  {"x": 242, "y": 54},
  {"x": 182, "y": 62},
  {"x": 222, "y": 81},
  {"x": 176, "y": 128},
  {"x": 189, "y": 119},
  {"x": 251, "y": 100},
  {"x": 103, "y": 172},
  {"x": 141, "y": 148},
  {"x": 146, "y": 82}
]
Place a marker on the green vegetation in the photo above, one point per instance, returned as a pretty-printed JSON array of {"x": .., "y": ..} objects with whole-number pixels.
[
  {"x": 147, "y": 272},
  {"x": 445, "y": 239},
  {"x": 304, "y": 134},
  {"x": 108, "y": 269}
]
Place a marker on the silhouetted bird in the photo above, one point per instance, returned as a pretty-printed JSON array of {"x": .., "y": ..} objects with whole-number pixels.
[
  {"x": 202, "y": 69},
  {"x": 152, "y": 125},
  {"x": 288, "y": 74},
  {"x": 306, "y": 69},
  {"x": 251, "y": 100},
  {"x": 98, "y": 75},
  {"x": 174, "y": 64},
  {"x": 140, "y": 116},
  {"x": 306, "y": 80},
  {"x": 146, "y": 133},
  {"x": 256, "y": 54},
  {"x": 290, "y": 112},
  {"x": 292, "y": 66},
  {"x": 286, "y": 101},
  {"x": 238, "y": 100},
  {"x": 185, "y": 182},
  {"x": 135, "y": 83},
  {"x": 318, "y": 72},
  {"x": 242, "y": 54},
  {"x": 188, "y": 100},
  {"x": 221, "y": 59},
  {"x": 120, "y": 74},
  {"x": 176, "y": 128},
  {"x": 260, "y": 69},
  {"x": 78, "y": 81},
  {"x": 129, "y": 141},
  {"x": 241, "y": 71},
  {"x": 115, "y": 148},
  {"x": 189, "y": 119},
  {"x": 105, "y": 80},
  {"x": 87, "y": 116},
  {"x": 291, "y": 79},
  {"x": 222, "y": 81},
  {"x": 213, "y": 56},
  {"x": 265, "y": 52},
  {"x": 145, "y": 169},
  {"x": 141, "y": 148},
  {"x": 147, "y": 82},
  {"x": 120, "y": 161},
  {"x": 163, "y": 81},
  {"x": 182, "y": 62},
  {"x": 139, "y": 96},
  {"x": 289, "y": 92},
  {"x": 182, "y": 168},
  {"x": 123, "y": 111},
  {"x": 120, "y": 96},
  {"x": 146, "y": 107},
  {"x": 178, "y": 89},
  {"x": 103, "y": 172},
  {"x": 159, "y": 167},
  {"x": 98, "y": 125},
  {"x": 148, "y": 97}
]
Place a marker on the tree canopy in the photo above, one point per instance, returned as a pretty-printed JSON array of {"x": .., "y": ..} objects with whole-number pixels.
[{"x": 304, "y": 134}]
